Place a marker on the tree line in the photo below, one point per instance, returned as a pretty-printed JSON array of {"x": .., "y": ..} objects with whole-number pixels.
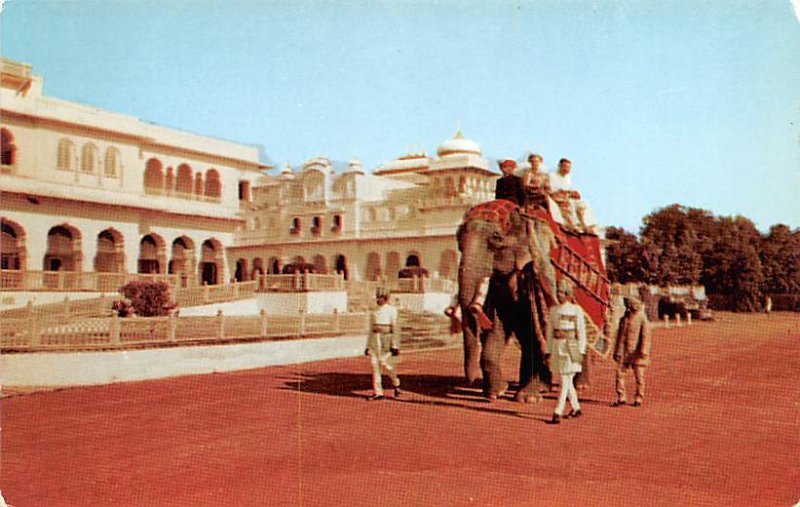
[{"x": 738, "y": 265}]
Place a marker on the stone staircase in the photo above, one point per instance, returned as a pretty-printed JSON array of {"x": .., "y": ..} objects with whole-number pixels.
[{"x": 425, "y": 330}]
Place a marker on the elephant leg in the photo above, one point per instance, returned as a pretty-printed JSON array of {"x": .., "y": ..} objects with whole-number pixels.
[
  {"x": 494, "y": 384},
  {"x": 472, "y": 349}
]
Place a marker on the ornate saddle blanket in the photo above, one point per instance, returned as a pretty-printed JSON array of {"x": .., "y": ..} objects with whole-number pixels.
[{"x": 498, "y": 211}]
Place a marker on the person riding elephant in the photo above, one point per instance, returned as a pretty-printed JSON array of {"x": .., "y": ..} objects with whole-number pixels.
[{"x": 498, "y": 283}]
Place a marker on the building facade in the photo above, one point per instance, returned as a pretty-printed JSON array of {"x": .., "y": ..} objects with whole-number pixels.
[{"x": 96, "y": 193}]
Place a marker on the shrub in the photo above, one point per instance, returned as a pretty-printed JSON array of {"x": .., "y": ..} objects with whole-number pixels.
[{"x": 149, "y": 299}]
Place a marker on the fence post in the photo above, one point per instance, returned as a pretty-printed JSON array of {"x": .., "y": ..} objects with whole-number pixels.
[
  {"x": 689, "y": 319},
  {"x": 113, "y": 328},
  {"x": 206, "y": 290},
  {"x": 296, "y": 281},
  {"x": 306, "y": 280},
  {"x": 263, "y": 316},
  {"x": 33, "y": 326},
  {"x": 66, "y": 307},
  {"x": 302, "y": 324},
  {"x": 666, "y": 320},
  {"x": 337, "y": 324},
  {"x": 236, "y": 290},
  {"x": 678, "y": 320},
  {"x": 173, "y": 326},
  {"x": 220, "y": 325}
]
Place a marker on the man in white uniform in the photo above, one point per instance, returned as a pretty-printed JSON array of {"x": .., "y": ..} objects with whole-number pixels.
[
  {"x": 566, "y": 347},
  {"x": 383, "y": 344},
  {"x": 575, "y": 212}
]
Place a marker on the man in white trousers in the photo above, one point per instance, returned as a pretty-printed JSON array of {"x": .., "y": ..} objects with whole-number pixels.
[
  {"x": 566, "y": 346},
  {"x": 383, "y": 344}
]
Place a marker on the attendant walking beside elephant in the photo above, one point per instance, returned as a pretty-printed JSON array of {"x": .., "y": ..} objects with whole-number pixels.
[
  {"x": 632, "y": 350},
  {"x": 566, "y": 347}
]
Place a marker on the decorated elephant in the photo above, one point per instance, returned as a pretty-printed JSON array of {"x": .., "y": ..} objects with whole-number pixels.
[{"x": 500, "y": 294}]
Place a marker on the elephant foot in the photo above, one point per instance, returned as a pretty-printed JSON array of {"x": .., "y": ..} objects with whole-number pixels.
[
  {"x": 528, "y": 398},
  {"x": 493, "y": 397}
]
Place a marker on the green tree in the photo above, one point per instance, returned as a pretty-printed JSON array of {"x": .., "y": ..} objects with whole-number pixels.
[
  {"x": 623, "y": 256},
  {"x": 780, "y": 258}
]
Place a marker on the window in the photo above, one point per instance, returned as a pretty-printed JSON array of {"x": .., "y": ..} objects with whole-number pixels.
[
  {"x": 89, "y": 158},
  {"x": 66, "y": 155},
  {"x": 244, "y": 190},
  {"x": 337, "y": 224},
  {"x": 296, "y": 225},
  {"x": 8, "y": 154},
  {"x": 316, "y": 225},
  {"x": 213, "y": 186},
  {"x": 111, "y": 166},
  {"x": 153, "y": 176}
]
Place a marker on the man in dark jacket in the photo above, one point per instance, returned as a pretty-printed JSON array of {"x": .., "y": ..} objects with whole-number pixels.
[
  {"x": 510, "y": 186},
  {"x": 632, "y": 350}
]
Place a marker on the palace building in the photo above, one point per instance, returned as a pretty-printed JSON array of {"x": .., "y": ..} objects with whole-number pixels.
[{"x": 90, "y": 198}]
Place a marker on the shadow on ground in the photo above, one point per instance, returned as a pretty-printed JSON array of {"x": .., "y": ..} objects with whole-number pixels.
[{"x": 431, "y": 390}]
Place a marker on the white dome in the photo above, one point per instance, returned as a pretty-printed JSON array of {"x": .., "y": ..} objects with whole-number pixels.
[
  {"x": 458, "y": 145},
  {"x": 287, "y": 171},
  {"x": 354, "y": 167}
]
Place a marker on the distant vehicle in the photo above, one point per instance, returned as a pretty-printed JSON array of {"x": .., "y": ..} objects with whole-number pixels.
[{"x": 683, "y": 301}]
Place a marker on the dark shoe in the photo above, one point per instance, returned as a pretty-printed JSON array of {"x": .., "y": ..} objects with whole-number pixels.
[
  {"x": 375, "y": 397},
  {"x": 619, "y": 403},
  {"x": 573, "y": 414},
  {"x": 556, "y": 419},
  {"x": 637, "y": 403},
  {"x": 397, "y": 392}
]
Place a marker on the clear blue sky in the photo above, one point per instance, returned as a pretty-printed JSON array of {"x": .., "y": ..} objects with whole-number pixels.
[{"x": 693, "y": 101}]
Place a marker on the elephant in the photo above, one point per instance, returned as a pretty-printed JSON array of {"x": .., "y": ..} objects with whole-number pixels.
[{"x": 497, "y": 243}]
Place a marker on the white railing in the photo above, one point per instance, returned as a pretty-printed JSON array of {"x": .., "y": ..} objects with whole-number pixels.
[
  {"x": 300, "y": 282},
  {"x": 41, "y": 334},
  {"x": 73, "y": 281},
  {"x": 206, "y": 294}
]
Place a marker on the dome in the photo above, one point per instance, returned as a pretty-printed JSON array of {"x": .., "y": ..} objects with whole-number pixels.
[
  {"x": 287, "y": 171},
  {"x": 458, "y": 145},
  {"x": 354, "y": 167}
]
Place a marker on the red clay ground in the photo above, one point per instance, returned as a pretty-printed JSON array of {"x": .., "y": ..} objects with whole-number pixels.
[{"x": 720, "y": 427}]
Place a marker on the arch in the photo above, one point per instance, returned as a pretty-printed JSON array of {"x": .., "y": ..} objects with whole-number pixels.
[
  {"x": 320, "y": 264},
  {"x": 89, "y": 158},
  {"x": 213, "y": 184},
  {"x": 111, "y": 165},
  {"x": 66, "y": 155},
  {"x": 258, "y": 271},
  {"x": 153, "y": 176},
  {"x": 211, "y": 261},
  {"x": 152, "y": 254},
  {"x": 373, "y": 271},
  {"x": 182, "y": 262},
  {"x": 448, "y": 264},
  {"x": 298, "y": 259},
  {"x": 413, "y": 260},
  {"x": 185, "y": 180},
  {"x": 64, "y": 252},
  {"x": 110, "y": 257},
  {"x": 393, "y": 265},
  {"x": 13, "y": 252},
  {"x": 8, "y": 150},
  {"x": 341, "y": 266},
  {"x": 241, "y": 274},
  {"x": 274, "y": 266}
]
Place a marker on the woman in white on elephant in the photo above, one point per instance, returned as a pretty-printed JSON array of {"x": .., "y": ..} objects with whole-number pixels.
[{"x": 566, "y": 346}]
